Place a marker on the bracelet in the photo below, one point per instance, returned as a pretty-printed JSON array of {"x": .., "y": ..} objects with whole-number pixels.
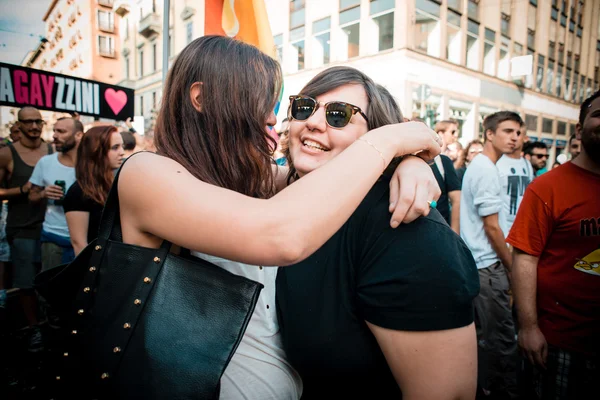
[{"x": 376, "y": 149}]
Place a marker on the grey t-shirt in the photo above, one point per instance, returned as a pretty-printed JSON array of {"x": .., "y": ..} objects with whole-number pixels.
[{"x": 480, "y": 197}]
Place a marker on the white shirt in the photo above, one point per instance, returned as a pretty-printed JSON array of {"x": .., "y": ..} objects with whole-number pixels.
[
  {"x": 259, "y": 367},
  {"x": 47, "y": 171},
  {"x": 480, "y": 197},
  {"x": 515, "y": 175}
]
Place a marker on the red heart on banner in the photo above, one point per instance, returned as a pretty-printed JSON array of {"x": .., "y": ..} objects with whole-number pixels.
[{"x": 116, "y": 99}]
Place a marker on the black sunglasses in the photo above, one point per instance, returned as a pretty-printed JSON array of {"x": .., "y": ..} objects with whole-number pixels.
[
  {"x": 32, "y": 121},
  {"x": 540, "y": 155},
  {"x": 337, "y": 113}
]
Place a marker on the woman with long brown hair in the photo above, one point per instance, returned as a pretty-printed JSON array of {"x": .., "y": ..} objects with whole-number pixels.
[
  {"x": 99, "y": 155},
  {"x": 213, "y": 187}
]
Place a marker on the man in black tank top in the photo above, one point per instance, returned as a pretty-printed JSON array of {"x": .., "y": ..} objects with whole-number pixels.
[{"x": 24, "y": 220}]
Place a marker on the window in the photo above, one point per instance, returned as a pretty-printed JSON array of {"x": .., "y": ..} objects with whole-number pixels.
[
  {"x": 530, "y": 39},
  {"x": 142, "y": 111},
  {"x": 569, "y": 59},
  {"x": 297, "y": 42},
  {"x": 568, "y": 87},
  {"x": 106, "y": 21},
  {"x": 349, "y": 23},
  {"x": 533, "y": 2},
  {"x": 189, "y": 32},
  {"x": 153, "y": 99},
  {"x": 551, "y": 50},
  {"x": 559, "y": 74},
  {"x": 561, "y": 128},
  {"x": 297, "y": 13},
  {"x": 575, "y": 92},
  {"x": 561, "y": 52},
  {"x": 141, "y": 62},
  {"x": 455, "y": 5},
  {"x": 154, "y": 57},
  {"x": 554, "y": 14},
  {"x": 428, "y": 28},
  {"x": 489, "y": 52},
  {"x": 147, "y": 7},
  {"x": 473, "y": 9},
  {"x": 378, "y": 6},
  {"x": 453, "y": 44},
  {"x": 581, "y": 89},
  {"x": 472, "y": 48},
  {"x": 126, "y": 67},
  {"x": 385, "y": 28},
  {"x": 529, "y": 77},
  {"x": 505, "y": 25},
  {"x": 278, "y": 39},
  {"x": 106, "y": 46},
  {"x": 531, "y": 122},
  {"x": 549, "y": 76},
  {"x": 126, "y": 27},
  {"x": 504, "y": 62},
  {"x": 563, "y": 20},
  {"x": 547, "y": 125},
  {"x": 321, "y": 46}
]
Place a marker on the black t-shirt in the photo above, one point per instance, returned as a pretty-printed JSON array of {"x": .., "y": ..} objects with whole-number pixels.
[
  {"x": 75, "y": 200},
  {"x": 447, "y": 184},
  {"x": 417, "y": 277}
]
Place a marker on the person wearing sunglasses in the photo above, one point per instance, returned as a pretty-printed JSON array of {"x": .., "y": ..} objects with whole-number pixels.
[
  {"x": 24, "y": 219},
  {"x": 214, "y": 188},
  {"x": 537, "y": 154},
  {"x": 374, "y": 310}
]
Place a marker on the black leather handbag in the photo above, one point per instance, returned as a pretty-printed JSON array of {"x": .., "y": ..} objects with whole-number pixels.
[{"x": 143, "y": 323}]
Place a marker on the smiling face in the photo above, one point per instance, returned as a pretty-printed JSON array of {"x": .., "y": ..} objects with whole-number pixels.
[
  {"x": 312, "y": 143},
  {"x": 116, "y": 153}
]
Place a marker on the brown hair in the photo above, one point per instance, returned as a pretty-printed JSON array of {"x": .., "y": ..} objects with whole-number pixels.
[
  {"x": 382, "y": 109},
  {"x": 442, "y": 126},
  {"x": 491, "y": 122},
  {"x": 93, "y": 171},
  {"x": 465, "y": 152},
  {"x": 226, "y": 144}
]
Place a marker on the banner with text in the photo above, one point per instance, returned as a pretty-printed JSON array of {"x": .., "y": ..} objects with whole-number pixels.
[{"x": 22, "y": 86}]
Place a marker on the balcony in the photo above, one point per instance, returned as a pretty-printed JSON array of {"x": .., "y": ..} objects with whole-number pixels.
[
  {"x": 122, "y": 7},
  {"x": 106, "y": 3},
  {"x": 150, "y": 25}
]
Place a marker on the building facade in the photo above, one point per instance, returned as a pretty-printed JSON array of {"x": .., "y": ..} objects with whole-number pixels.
[
  {"x": 452, "y": 58},
  {"x": 81, "y": 39},
  {"x": 142, "y": 45}
]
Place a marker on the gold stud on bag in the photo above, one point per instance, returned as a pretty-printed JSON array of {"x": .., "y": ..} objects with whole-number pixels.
[{"x": 113, "y": 338}]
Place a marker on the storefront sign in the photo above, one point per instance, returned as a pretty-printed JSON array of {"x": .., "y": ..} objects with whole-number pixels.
[{"x": 21, "y": 86}]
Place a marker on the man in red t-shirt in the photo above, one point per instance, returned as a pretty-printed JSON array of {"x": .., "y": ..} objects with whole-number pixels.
[{"x": 556, "y": 270}]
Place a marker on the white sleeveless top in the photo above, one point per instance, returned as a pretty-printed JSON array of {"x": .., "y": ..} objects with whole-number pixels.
[{"x": 259, "y": 369}]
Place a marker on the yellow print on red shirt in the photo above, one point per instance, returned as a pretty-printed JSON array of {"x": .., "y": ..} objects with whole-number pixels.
[{"x": 589, "y": 264}]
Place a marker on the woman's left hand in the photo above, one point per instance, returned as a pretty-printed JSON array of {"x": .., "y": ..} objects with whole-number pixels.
[{"x": 412, "y": 187}]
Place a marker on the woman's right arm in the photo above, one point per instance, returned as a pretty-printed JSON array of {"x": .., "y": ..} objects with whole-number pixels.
[
  {"x": 160, "y": 199},
  {"x": 78, "y": 223}
]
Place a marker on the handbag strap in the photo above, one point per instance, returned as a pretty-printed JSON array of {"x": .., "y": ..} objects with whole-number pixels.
[{"x": 110, "y": 222}]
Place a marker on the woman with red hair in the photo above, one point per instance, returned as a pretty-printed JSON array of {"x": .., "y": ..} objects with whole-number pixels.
[{"x": 99, "y": 155}]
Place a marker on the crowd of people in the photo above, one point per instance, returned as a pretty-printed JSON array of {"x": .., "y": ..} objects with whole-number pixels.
[{"x": 385, "y": 274}]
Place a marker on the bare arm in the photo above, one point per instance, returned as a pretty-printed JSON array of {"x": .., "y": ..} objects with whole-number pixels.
[
  {"x": 282, "y": 230},
  {"x": 39, "y": 193},
  {"x": 491, "y": 226},
  {"x": 524, "y": 283},
  {"x": 78, "y": 222},
  {"x": 280, "y": 173},
  {"x": 454, "y": 197},
  {"x": 5, "y": 160},
  {"x": 431, "y": 365}
]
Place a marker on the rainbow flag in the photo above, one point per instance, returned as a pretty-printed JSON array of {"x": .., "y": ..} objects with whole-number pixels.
[{"x": 245, "y": 20}]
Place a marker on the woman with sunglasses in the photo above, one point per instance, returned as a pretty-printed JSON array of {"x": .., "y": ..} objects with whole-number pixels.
[
  {"x": 474, "y": 148},
  {"x": 211, "y": 189},
  {"x": 376, "y": 312}
]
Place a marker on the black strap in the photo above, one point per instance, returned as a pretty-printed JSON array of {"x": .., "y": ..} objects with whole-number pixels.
[{"x": 110, "y": 222}]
